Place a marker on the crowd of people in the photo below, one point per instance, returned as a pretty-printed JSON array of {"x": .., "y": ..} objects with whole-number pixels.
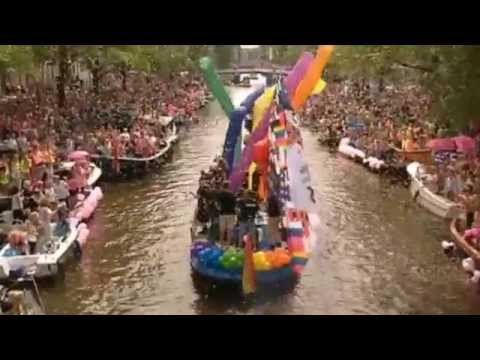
[
  {"x": 36, "y": 136},
  {"x": 378, "y": 121},
  {"x": 373, "y": 118}
]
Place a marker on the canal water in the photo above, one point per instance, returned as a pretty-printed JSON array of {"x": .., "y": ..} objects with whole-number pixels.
[{"x": 376, "y": 252}]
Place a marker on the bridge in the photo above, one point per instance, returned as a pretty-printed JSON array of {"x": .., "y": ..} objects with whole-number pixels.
[{"x": 253, "y": 70}]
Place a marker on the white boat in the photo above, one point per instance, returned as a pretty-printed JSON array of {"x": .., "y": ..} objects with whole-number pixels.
[
  {"x": 434, "y": 203},
  {"x": 374, "y": 163},
  {"x": 46, "y": 263},
  {"x": 349, "y": 151},
  {"x": 353, "y": 153}
]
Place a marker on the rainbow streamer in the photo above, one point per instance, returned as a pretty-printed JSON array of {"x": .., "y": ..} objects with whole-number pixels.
[{"x": 284, "y": 138}]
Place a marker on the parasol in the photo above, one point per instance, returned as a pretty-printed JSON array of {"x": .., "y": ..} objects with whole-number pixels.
[
  {"x": 442, "y": 145},
  {"x": 78, "y": 155},
  {"x": 465, "y": 144}
]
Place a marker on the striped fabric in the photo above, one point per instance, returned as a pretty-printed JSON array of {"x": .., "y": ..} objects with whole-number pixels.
[{"x": 282, "y": 134}]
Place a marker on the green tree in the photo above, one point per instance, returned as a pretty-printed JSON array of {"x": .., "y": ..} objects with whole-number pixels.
[
  {"x": 18, "y": 58},
  {"x": 223, "y": 56}
]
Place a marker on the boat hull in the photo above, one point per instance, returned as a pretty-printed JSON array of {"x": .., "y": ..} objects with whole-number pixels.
[
  {"x": 46, "y": 265},
  {"x": 276, "y": 277},
  {"x": 134, "y": 166},
  {"x": 348, "y": 151},
  {"x": 436, "y": 204}
]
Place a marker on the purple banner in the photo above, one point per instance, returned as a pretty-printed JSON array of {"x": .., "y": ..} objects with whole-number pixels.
[
  {"x": 298, "y": 73},
  {"x": 238, "y": 175}
]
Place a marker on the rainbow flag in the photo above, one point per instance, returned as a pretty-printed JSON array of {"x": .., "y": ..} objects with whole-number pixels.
[{"x": 248, "y": 280}]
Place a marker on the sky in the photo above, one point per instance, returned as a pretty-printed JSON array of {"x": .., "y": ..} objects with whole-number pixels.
[{"x": 249, "y": 46}]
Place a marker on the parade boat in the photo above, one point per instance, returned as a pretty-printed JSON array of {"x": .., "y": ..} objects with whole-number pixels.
[
  {"x": 281, "y": 265},
  {"x": 263, "y": 138},
  {"x": 436, "y": 204},
  {"x": 125, "y": 166}
]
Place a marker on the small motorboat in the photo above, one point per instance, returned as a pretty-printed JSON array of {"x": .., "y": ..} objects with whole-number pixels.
[
  {"x": 49, "y": 259},
  {"x": 436, "y": 204},
  {"x": 424, "y": 156}
]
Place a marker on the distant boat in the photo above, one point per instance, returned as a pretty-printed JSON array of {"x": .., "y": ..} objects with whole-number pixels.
[{"x": 132, "y": 166}]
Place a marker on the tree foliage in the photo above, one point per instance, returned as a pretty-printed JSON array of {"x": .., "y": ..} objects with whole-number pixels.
[{"x": 449, "y": 72}]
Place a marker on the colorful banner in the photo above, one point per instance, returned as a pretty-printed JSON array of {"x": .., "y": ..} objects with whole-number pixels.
[
  {"x": 314, "y": 73},
  {"x": 301, "y": 191},
  {"x": 298, "y": 72},
  {"x": 289, "y": 178},
  {"x": 250, "y": 100},
  {"x": 238, "y": 175},
  {"x": 321, "y": 85},
  {"x": 215, "y": 85},
  {"x": 262, "y": 105}
]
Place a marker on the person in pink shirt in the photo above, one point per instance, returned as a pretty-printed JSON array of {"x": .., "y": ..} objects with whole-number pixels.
[
  {"x": 79, "y": 176},
  {"x": 472, "y": 237},
  {"x": 172, "y": 110}
]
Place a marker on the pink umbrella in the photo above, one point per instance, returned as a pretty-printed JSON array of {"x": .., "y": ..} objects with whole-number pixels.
[
  {"x": 442, "y": 145},
  {"x": 465, "y": 144},
  {"x": 78, "y": 155}
]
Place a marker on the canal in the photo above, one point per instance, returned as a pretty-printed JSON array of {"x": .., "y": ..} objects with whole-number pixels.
[{"x": 376, "y": 252}]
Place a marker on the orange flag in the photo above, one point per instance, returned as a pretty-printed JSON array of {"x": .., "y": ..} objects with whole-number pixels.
[
  {"x": 248, "y": 279},
  {"x": 314, "y": 73}
]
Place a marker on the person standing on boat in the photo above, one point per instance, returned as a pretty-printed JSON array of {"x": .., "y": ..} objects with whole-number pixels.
[
  {"x": 32, "y": 227},
  {"x": 61, "y": 190},
  {"x": 470, "y": 202},
  {"x": 37, "y": 161},
  {"x": 46, "y": 215},
  {"x": 17, "y": 205},
  {"x": 226, "y": 204},
  {"x": 247, "y": 211},
  {"x": 452, "y": 187},
  {"x": 274, "y": 212}
]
